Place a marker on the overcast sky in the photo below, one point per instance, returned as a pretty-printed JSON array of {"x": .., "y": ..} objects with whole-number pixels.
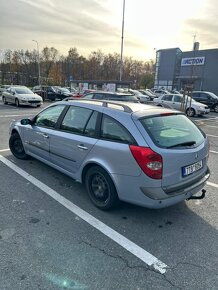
[{"x": 90, "y": 25}]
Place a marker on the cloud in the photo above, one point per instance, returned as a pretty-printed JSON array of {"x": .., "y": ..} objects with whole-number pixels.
[
  {"x": 206, "y": 26},
  {"x": 71, "y": 21}
]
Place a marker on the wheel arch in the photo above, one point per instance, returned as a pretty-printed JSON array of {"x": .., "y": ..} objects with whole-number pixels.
[{"x": 95, "y": 163}]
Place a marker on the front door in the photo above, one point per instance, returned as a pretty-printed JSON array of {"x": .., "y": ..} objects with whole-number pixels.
[
  {"x": 75, "y": 138},
  {"x": 37, "y": 136}
]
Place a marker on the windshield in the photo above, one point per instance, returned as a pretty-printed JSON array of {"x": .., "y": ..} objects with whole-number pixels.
[
  {"x": 23, "y": 91},
  {"x": 213, "y": 95},
  {"x": 64, "y": 90},
  {"x": 174, "y": 130}
]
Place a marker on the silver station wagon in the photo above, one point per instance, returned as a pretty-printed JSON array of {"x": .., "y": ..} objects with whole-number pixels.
[{"x": 146, "y": 155}]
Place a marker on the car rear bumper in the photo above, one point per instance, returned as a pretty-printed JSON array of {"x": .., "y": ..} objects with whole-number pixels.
[{"x": 129, "y": 190}]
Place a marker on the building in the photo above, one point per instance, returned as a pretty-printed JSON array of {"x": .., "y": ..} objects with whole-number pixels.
[{"x": 196, "y": 69}]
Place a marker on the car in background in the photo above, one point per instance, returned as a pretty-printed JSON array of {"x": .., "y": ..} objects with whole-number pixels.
[
  {"x": 161, "y": 92},
  {"x": 3, "y": 88},
  {"x": 21, "y": 95},
  {"x": 176, "y": 101},
  {"x": 175, "y": 92},
  {"x": 149, "y": 156},
  {"x": 115, "y": 96},
  {"x": 148, "y": 93},
  {"x": 141, "y": 97},
  {"x": 207, "y": 98},
  {"x": 46, "y": 92},
  {"x": 52, "y": 93},
  {"x": 63, "y": 92}
]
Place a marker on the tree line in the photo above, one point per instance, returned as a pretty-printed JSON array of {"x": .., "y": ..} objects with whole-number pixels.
[{"x": 21, "y": 67}]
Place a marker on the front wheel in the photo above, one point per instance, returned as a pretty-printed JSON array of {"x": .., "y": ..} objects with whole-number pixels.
[
  {"x": 16, "y": 146},
  {"x": 4, "y": 100},
  {"x": 17, "y": 103},
  {"x": 190, "y": 112},
  {"x": 101, "y": 189}
]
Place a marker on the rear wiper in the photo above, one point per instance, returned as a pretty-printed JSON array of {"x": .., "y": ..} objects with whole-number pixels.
[{"x": 189, "y": 143}]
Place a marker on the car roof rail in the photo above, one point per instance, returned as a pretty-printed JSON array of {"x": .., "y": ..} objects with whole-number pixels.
[{"x": 104, "y": 103}]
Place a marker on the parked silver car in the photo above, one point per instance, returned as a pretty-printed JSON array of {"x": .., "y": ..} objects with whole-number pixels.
[
  {"x": 176, "y": 101},
  {"x": 21, "y": 95},
  {"x": 146, "y": 155}
]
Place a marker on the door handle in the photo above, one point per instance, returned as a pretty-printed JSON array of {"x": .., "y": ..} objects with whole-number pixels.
[
  {"x": 45, "y": 135},
  {"x": 81, "y": 146}
]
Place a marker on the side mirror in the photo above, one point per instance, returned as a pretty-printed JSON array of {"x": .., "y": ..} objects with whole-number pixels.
[{"x": 26, "y": 122}]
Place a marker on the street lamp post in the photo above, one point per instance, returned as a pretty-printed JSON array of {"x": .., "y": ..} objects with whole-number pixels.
[
  {"x": 39, "y": 77},
  {"x": 121, "y": 53}
]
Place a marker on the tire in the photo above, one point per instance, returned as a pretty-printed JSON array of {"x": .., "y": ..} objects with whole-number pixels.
[
  {"x": 190, "y": 112},
  {"x": 101, "y": 189},
  {"x": 17, "y": 103},
  {"x": 16, "y": 147},
  {"x": 216, "y": 108},
  {"x": 4, "y": 100}
]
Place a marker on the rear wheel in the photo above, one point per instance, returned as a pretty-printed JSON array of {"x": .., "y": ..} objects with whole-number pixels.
[
  {"x": 216, "y": 108},
  {"x": 17, "y": 103},
  {"x": 16, "y": 146},
  {"x": 190, "y": 112},
  {"x": 101, "y": 189}
]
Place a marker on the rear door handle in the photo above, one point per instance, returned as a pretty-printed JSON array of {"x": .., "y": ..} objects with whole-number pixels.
[
  {"x": 45, "y": 135},
  {"x": 81, "y": 146}
]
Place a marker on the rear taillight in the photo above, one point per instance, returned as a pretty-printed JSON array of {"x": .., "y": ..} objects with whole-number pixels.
[{"x": 150, "y": 162}]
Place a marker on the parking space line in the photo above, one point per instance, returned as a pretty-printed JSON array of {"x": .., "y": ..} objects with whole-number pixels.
[
  {"x": 8, "y": 116},
  {"x": 212, "y": 184},
  {"x": 210, "y": 126},
  {"x": 130, "y": 246},
  {"x": 4, "y": 150},
  {"x": 211, "y": 151},
  {"x": 215, "y": 136}
]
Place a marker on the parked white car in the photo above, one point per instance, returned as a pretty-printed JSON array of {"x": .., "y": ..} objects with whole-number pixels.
[
  {"x": 142, "y": 98},
  {"x": 176, "y": 101},
  {"x": 161, "y": 92},
  {"x": 21, "y": 95}
]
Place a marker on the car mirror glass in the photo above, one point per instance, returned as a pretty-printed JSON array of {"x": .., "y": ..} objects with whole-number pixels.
[{"x": 26, "y": 122}]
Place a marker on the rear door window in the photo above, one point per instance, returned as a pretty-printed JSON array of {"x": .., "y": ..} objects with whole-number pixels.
[
  {"x": 76, "y": 119},
  {"x": 167, "y": 98},
  {"x": 112, "y": 130},
  {"x": 172, "y": 131}
]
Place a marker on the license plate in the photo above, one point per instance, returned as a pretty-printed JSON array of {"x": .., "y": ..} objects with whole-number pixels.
[{"x": 187, "y": 170}]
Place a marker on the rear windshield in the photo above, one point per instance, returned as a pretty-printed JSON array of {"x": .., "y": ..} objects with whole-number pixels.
[{"x": 172, "y": 131}]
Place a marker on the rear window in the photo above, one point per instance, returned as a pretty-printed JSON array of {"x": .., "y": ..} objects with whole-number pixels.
[{"x": 172, "y": 131}]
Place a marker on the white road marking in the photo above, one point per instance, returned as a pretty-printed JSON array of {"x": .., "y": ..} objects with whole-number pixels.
[
  {"x": 4, "y": 150},
  {"x": 212, "y": 184},
  {"x": 211, "y": 151},
  {"x": 8, "y": 116},
  {"x": 131, "y": 247},
  {"x": 211, "y": 126},
  {"x": 215, "y": 136}
]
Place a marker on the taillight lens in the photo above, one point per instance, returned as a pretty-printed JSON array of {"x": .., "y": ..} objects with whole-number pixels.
[{"x": 150, "y": 162}]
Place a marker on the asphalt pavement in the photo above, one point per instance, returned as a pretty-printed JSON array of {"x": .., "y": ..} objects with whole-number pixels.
[{"x": 52, "y": 237}]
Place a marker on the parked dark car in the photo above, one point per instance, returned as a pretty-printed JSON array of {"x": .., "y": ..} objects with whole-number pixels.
[
  {"x": 102, "y": 95},
  {"x": 52, "y": 92},
  {"x": 207, "y": 98}
]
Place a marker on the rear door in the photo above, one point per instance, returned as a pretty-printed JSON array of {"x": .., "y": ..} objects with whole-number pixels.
[
  {"x": 177, "y": 101},
  {"x": 166, "y": 101},
  {"x": 75, "y": 138}
]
